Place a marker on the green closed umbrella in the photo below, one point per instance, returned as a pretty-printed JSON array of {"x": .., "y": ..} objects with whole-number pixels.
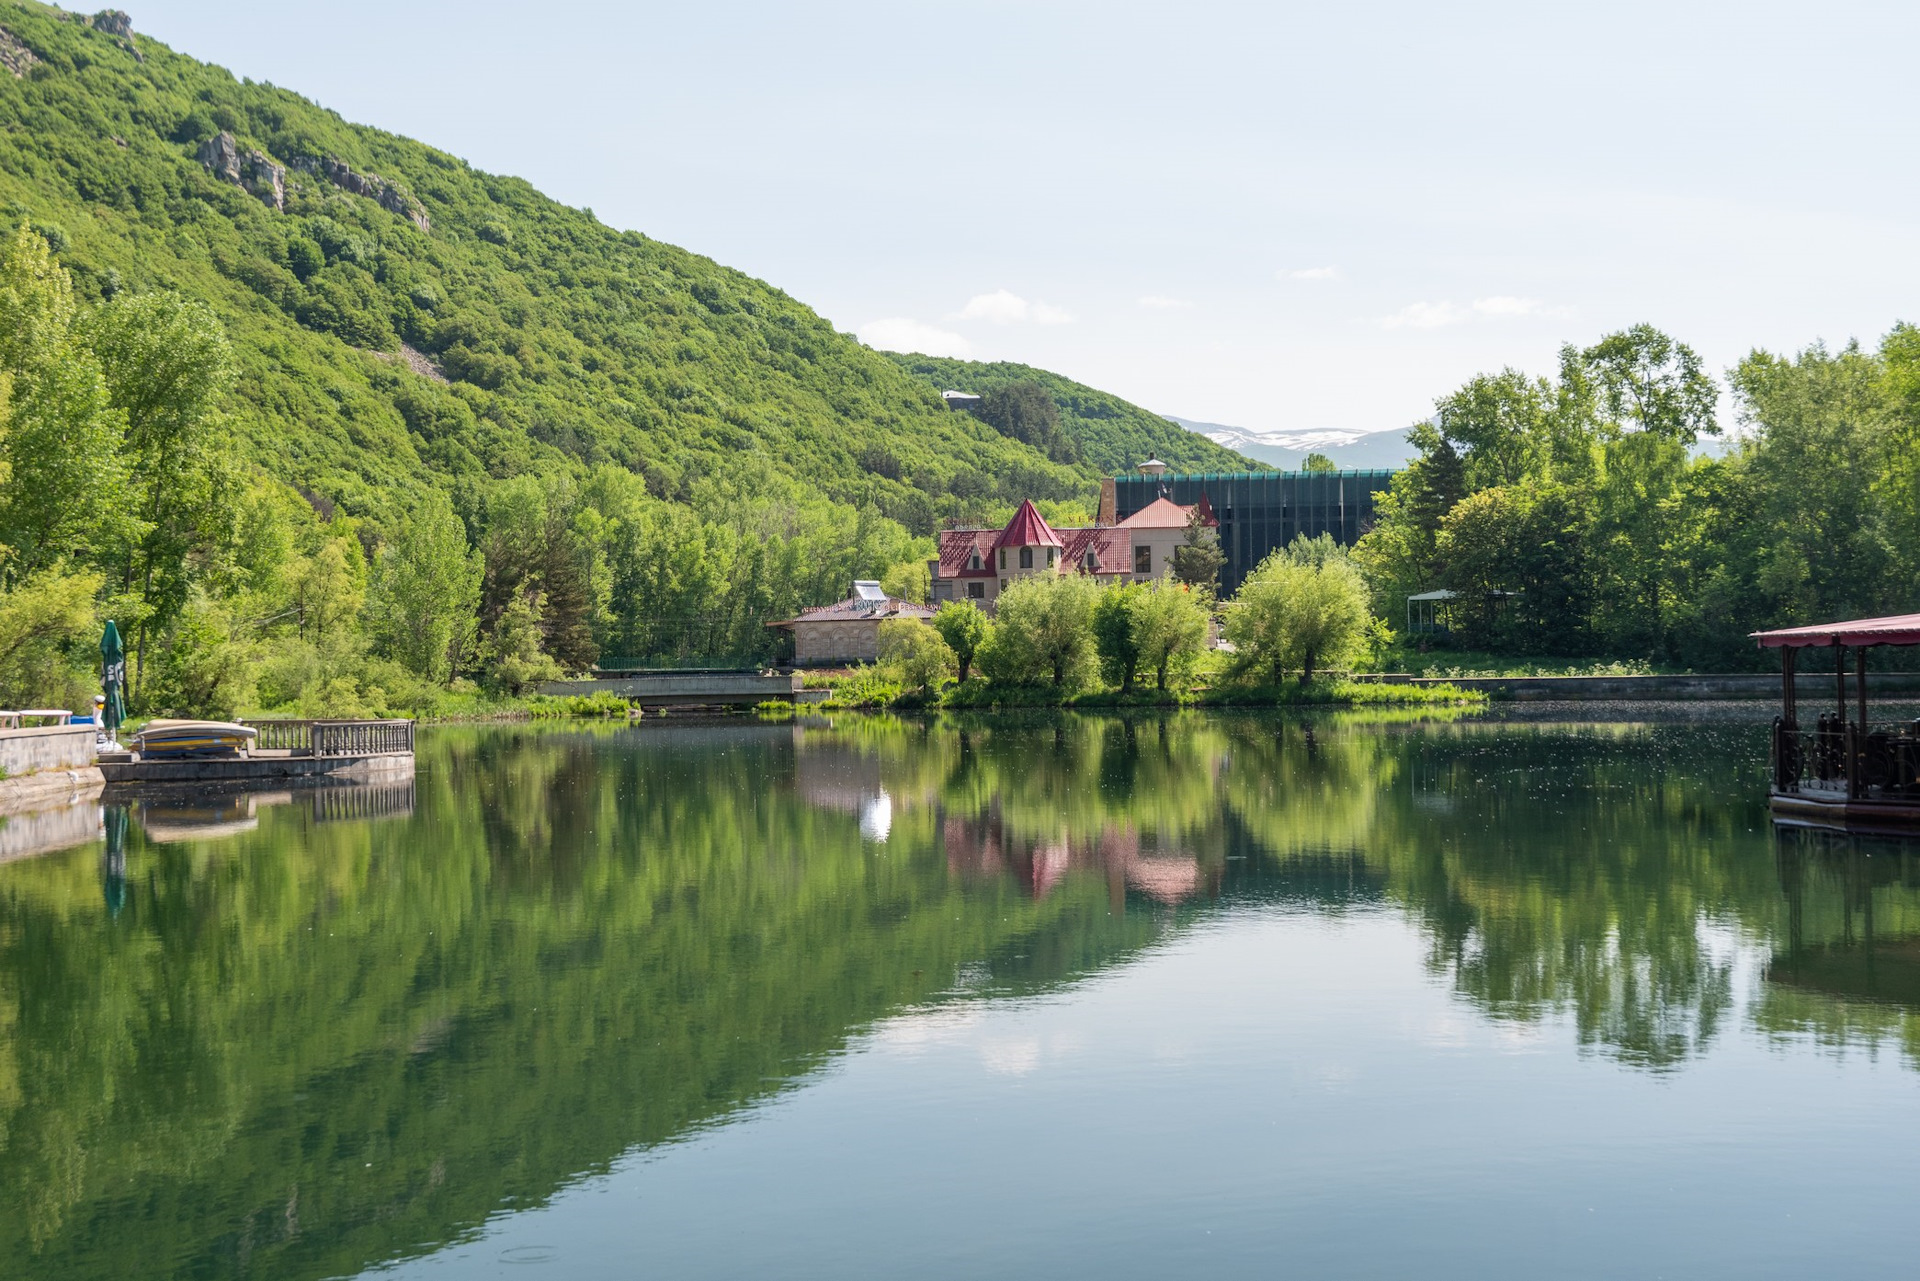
[{"x": 113, "y": 678}]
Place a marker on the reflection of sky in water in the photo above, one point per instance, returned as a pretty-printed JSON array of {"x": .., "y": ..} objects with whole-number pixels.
[
  {"x": 1078, "y": 996},
  {"x": 1273, "y": 1090},
  {"x": 876, "y": 817}
]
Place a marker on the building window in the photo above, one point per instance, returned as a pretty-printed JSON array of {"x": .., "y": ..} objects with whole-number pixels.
[
  {"x": 1003, "y": 584},
  {"x": 1049, "y": 558},
  {"x": 976, "y": 591},
  {"x": 1143, "y": 560},
  {"x": 1003, "y": 558},
  {"x": 973, "y": 561},
  {"x": 1026, "y": 558},
  {"x": 1092, "y": 563}
]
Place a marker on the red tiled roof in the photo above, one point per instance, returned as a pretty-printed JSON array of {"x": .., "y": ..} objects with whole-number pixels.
[
  {"x": 1028, "y": 528},
  {"x": 958, "y": 545},
  {"x": 855, "y": 610},
  {"x": 1112, "y": 549}
]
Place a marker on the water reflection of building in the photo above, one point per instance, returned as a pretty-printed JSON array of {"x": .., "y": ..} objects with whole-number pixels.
[
  {"x": 985, "y": 846},
  {"x": 847, "y": 781}
]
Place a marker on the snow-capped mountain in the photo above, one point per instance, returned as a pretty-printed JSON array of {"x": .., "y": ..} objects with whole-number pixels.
[{"x": 1288, "y": 449}]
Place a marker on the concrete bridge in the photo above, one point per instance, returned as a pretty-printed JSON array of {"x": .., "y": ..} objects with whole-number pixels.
[{"x": 685, "y": 689}]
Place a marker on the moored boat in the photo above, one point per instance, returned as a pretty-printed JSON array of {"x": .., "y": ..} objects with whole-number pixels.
[
  {"x": 1844, "y": 772},
  {"x": 177, "y": 739}
]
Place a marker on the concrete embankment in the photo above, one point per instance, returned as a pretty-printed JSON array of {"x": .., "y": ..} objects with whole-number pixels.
[
  {"x": 49, "y": 797},
  {"x": 1813, "y": 689},
  {"x": 49, "y": 765}
]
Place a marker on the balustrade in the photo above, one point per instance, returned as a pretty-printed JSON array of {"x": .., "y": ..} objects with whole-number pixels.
[{"x": 333, "y": 738}]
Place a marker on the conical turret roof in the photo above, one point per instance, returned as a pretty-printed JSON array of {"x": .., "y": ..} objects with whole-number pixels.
[{"x": 1028, "y": 528}]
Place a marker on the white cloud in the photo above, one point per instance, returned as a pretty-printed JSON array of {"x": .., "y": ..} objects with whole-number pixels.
[
  {"x": 1505, "y": 305},
  {"x": 899, "y": 333},
  {"x": 1004, "y": 307},
  {"x": 1159, "y": 302},
  {"x": 1310, "y": 273},
  {"x": 1434, "y": 315},
  {"x": 1424, "y": 315}
]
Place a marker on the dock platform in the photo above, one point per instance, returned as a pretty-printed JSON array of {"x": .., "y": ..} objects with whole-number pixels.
[{"x": 286, "y": 753}]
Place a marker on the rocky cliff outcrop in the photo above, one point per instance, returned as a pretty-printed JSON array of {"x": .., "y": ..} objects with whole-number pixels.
[
  {"x": 109, "y": 22},
  {"x": 373, "y": 186},
  {"x": 114, "y": 22},
  {"x": 14, "y": 56},
  {"x": 251, "y": 171}
]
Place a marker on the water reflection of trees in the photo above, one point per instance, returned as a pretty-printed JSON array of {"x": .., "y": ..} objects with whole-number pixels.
[
  {"x": 1845, "y": 965},
  {"x": 314, "y": 1044},
  {"x": 1556, "y": 869},
  {"x": 303, "y": 1048}
]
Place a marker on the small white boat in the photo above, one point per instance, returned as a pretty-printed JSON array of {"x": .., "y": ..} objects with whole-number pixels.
[{"x": 161, "y": 740}]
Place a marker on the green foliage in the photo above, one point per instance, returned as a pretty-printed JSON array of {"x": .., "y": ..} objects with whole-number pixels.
[
  {"x": 1042, "y": 631},
  {"x": 1300, "y": 608},
  {"x": 1198, "y": 558},
  {"x": 964, "y": 627},
  {"x": 1578, "y": 493},
  {"x": 1111, "y": 435},
  {"x": 1025, "y": 412},
  {"x": 48, "y": 628},
  {"x": 1115, "y": 636},
  {"x": 1318, "y": 462},
  {"x": 511, "y": 660},
  {"x": 1170, "y": 629},
  {"x": 425, "y": 593},
  {"x": 915, "y": 655}
]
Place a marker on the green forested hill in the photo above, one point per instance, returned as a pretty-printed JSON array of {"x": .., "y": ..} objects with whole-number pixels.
[
  {"x": 451, "y": 425},
  {"x": 1113, "y": 434},
  {"x": 565, "y": 343}
]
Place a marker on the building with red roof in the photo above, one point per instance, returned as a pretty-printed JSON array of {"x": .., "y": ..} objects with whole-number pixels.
[{"x": 978, "y": 564}]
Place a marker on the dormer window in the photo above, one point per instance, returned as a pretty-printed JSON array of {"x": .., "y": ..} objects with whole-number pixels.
[
  {"x": 1092, "y": 563},
  {"x": 973, "y": 561}
]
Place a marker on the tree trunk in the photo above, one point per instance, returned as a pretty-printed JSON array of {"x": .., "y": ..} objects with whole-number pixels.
[
  {"x": 966, "y": 664},
  {"x": 1306, "y": 668}
]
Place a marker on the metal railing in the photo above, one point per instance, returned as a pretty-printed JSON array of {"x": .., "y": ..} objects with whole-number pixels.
[
  {"x": 1843, "y": 757},
  {"x": 333, "y": 738}
]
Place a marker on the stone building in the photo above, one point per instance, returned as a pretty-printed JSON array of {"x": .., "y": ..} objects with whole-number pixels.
[{"x": 847, "y": 631}]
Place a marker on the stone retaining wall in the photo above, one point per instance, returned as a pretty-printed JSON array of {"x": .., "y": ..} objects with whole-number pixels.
[{"x": 29, "y": 751}]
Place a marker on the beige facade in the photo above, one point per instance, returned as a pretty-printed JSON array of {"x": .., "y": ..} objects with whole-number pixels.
[{"x": 815, "y": 644}]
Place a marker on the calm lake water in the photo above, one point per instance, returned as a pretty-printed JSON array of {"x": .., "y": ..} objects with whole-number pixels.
[{"x": 1233, "y": 996}]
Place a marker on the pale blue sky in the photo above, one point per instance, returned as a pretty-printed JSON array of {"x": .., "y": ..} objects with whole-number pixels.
[{"x": 1274, "y": 216}]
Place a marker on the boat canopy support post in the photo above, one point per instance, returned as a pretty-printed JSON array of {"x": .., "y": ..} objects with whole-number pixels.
[
  {"x": 1860, "y": 683},
  {"x": 1840, "y": 680},
  {"x": 1789, "y": 703}
]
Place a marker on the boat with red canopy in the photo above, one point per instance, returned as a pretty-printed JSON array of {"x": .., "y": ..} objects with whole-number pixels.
[{"x": 1845, "y": 771}]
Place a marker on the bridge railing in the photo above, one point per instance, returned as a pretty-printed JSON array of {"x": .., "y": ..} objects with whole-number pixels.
[
  {"x": 362, "y": 738},
  {"x": 332, "y": 738}
]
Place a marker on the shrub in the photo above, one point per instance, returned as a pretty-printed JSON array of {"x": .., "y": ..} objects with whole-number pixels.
[
  {"x": 964, "y": 627},
  {"x": 913, "y": 654}
]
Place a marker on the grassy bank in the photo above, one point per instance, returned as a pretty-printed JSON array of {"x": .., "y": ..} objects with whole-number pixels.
[{"x": 874, "y": 687}]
